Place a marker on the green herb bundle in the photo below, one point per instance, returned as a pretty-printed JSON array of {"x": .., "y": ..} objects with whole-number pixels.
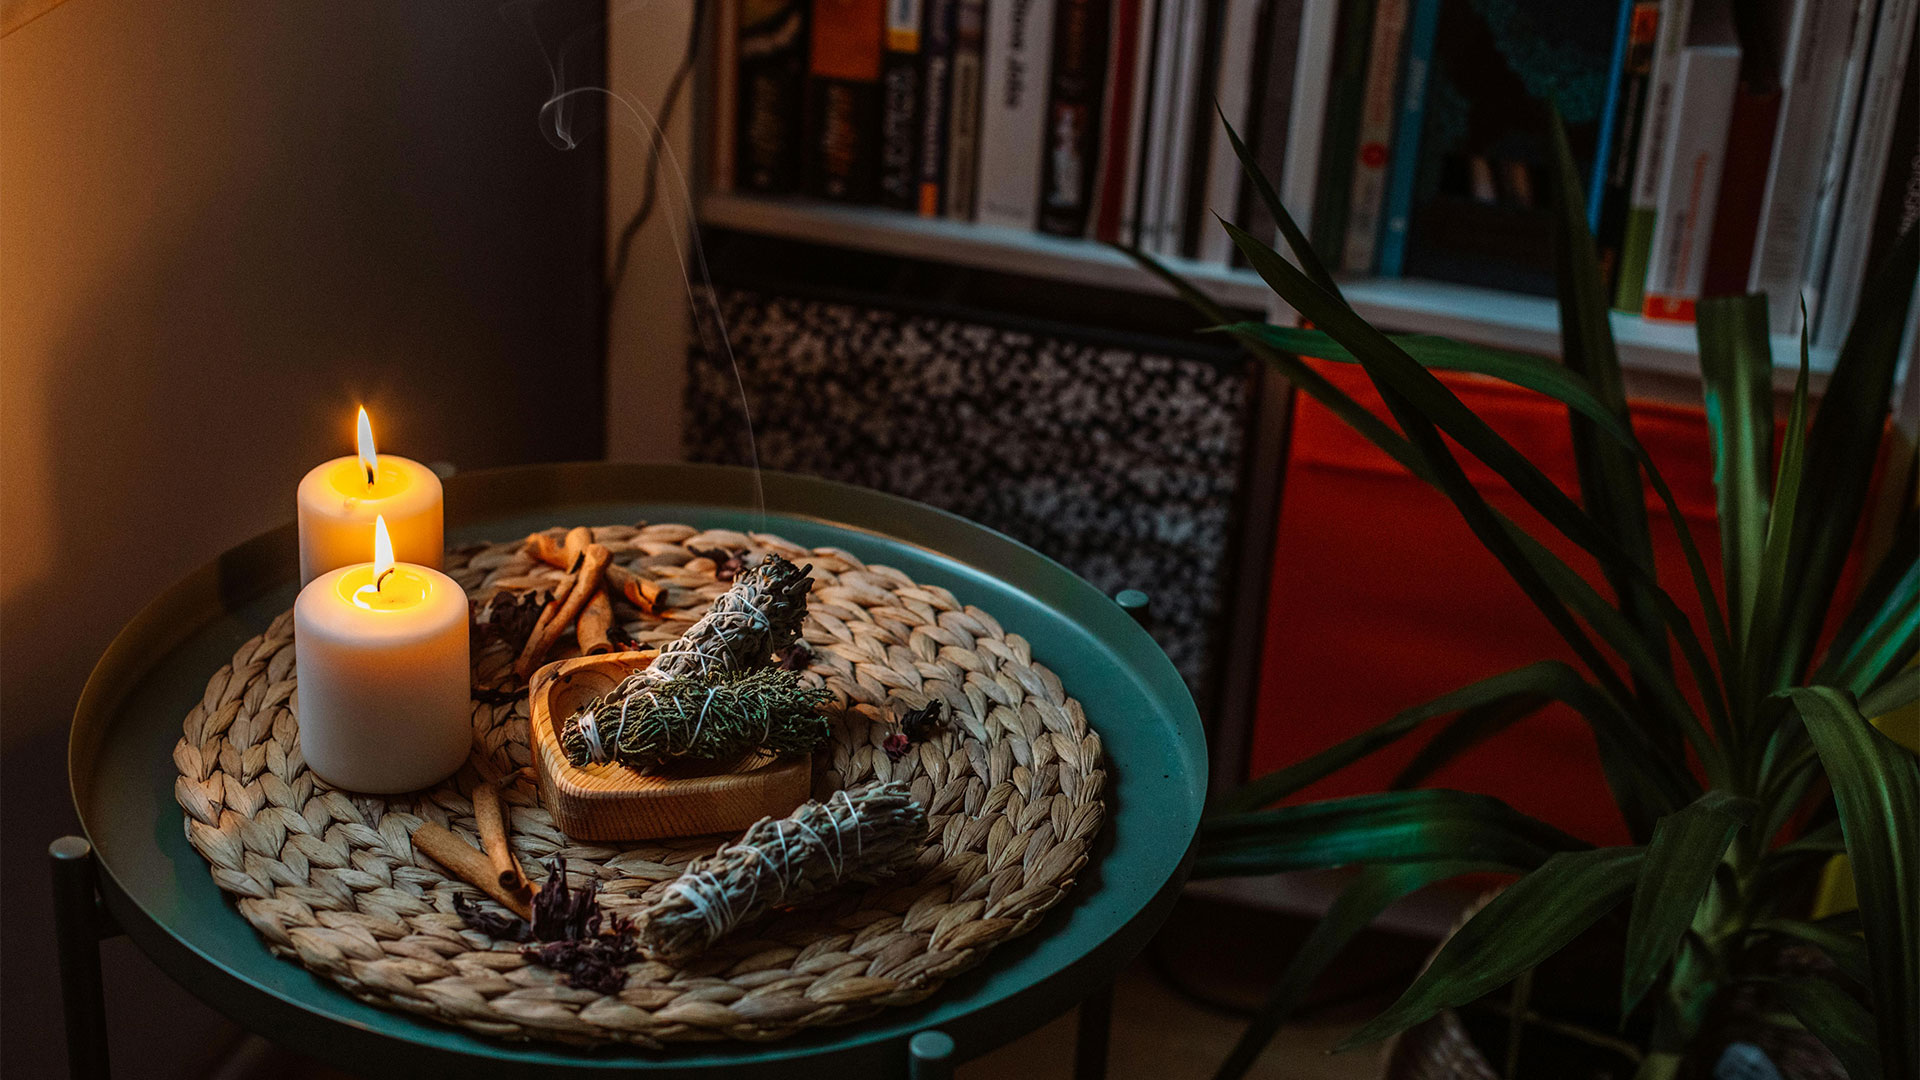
[{"x": 703, "y": 717}]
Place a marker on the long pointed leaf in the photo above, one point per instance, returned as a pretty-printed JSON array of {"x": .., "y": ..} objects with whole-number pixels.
[
  {"x": 1899, "y": 692},
  {"x": 1370, "y": 893},
  {"x": 1876, "y": 593},
  {"x": 1464, "y": 732},
  {"x": 1841, "y": 448},
  {"x": 1846, "y": 950},
  {"x": 1774, "y": 592},
  {"x": 1397, "y": 826},
  {"x": 1686, "y": 849},
  {"x": 1736, "y": 382},
  {"x": 1609, "y": 478},
  {"x": 1876, "y": 786},
  {"x": 1530, "y": 921},
  {"x": 1838, "y": 1021},
  {"x": 1297, "y": 240},
  {"x": 1547, "y": 679}
]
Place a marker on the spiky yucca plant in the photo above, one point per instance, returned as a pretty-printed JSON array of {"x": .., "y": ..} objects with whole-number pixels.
[{"x": 1711, "y": 793}]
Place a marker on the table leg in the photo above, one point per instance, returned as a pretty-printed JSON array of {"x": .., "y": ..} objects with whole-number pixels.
[
  {"x": 930, "y": 1056},
  {"x": 1093, "y": 1035},
  {"x": 78, "y": 926}
]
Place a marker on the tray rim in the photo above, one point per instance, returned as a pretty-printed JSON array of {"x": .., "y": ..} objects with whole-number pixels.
[{"x": 978, "y": 1010}]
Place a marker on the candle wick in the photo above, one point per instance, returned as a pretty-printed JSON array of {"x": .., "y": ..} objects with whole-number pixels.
[
  {"x": 380, "y": 578},
  {"x": 369, "y": 469}
]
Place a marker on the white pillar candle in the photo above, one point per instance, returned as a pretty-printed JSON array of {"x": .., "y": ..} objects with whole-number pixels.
[
  {"x": 380, "y": 652},
  {"x": 339, "y": 499}
]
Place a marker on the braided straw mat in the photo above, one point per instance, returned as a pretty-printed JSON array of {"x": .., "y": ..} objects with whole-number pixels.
[{"x": 1013, "y": 789}]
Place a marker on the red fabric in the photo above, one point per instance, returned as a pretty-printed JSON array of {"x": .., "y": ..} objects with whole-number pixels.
[{"x": 1382, "y": 598}]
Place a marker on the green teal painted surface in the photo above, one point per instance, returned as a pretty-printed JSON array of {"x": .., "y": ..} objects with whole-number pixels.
[{"x": 129, "y": 719}]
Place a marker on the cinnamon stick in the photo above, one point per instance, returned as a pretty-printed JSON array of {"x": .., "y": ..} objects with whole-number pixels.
[
  {"x": 640, "y": 592},
  {"x": 469, "y": 865},
  {"x": 544, "y": 547},
  {"x": 490, "y": 814},
  {"x": 579, "y": 586},
  {"x": 596, "y": 624}
]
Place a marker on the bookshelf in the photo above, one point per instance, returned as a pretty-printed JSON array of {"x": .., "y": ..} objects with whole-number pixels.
[{"x": 1482, "y": 316}]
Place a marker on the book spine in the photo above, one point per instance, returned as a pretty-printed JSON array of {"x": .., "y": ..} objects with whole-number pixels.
[
  {"x": 1879, "y": 105},
  {"x": 843, "y": 98},
  {"x": 1145, "y": 55},
  {"x": 1242, "y": 102},
  {"x": 1013, "y": 111},
  {"x": 1340, "y": 141},
  {"x": 772, "y": 62},
  {"x": 1629, "y": 117},
  {"x": 1609, "y": 113},
  {"x": 1376, "y": 134},
  {"x": 1899, "y": 203},
  {"x": 963, "y": 118},
  {"x": 900, "y": 111},
  {"x": 936, "y": 85},
  {"x": 1307, "y": 107},
  {"x": 1073, "y": 115},
  {"x": 1203, "y": 126},
  {"x": 1150, "y": 220},
  {"x": 1833, "y": 176},
  {"x": 1423, "y": 27},
  {"x": 1756, "y": 110},
  {"x": 1110, "y": 181},
  {"x": 1636, "y": 245},
  {"x": 725, "y": 88},
  {"x": 1703, "y": 106},
  {"x": 1813, "y": 73}
]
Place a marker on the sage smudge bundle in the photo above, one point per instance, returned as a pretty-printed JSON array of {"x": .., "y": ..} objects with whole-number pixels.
[
  {"x": 854, "y": 836},
  {"x": 758, "y": 616},
  {"x": 704, "y": 717}
]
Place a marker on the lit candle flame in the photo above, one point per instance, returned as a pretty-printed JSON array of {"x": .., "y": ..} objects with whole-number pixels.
[
  {"x": 369, "y": 460},
  {"x": 382, "y": 550}
]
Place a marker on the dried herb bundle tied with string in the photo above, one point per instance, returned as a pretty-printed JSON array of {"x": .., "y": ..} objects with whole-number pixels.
[
  {"x": 759, "y": 616},
  {"x": 858, "y": 835},
  {"x": 704, "y": 717}
]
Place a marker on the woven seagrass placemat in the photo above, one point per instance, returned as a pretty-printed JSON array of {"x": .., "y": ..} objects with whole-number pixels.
[{"x": 1013, "y": 789}]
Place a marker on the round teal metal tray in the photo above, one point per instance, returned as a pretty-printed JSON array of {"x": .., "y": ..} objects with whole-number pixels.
[{"x": 159, "y": 891}]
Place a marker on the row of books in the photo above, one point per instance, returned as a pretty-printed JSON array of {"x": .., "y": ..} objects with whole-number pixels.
[{"x": 1757, "y": 145}]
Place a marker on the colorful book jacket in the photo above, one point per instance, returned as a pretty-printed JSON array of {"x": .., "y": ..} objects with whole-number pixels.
[
  {"x": 1643, "y": 199},
  {"x": 1378, "y": 107},
  {"x": 1629, "y": 112},
  {"x": 1703, "y": 99},
  {"x": 1346, "y": 87},
  {"x": 843, "y": 100},
  {"x": 1119, "y": 156},
  {"x": 772, "y": 47},
  {"x": 1073, "y": 115},
  {"x": 1406, "y": 142},
  {"x": 900, "y": 93}
]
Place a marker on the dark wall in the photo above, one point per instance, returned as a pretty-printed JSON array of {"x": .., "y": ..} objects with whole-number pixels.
[{"x": 225, "y": 223}]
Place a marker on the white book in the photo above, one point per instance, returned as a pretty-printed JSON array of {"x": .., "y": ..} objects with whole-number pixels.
[
  {"x": 1818, "y": 38},
  {"x": 1879, "y": 102},
  {"x": 1013, "y": 108},
  {"x": 1312, "y": 76},
  {"x": 1159, "y": 125},
  {"x": 1703, "y": 96},
  {"x": 1142, "y": 104},
  {"x": 1233, "y": 91},
  {"x": 1644, "y": 196},
  {"x": 1833, "y": 176}
]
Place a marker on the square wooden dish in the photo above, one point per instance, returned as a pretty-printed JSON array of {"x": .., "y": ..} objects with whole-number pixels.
[{"x": 616, "y": 802}]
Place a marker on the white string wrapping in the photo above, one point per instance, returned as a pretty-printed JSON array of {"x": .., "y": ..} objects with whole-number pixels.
[{"x": 857, "y": 835}]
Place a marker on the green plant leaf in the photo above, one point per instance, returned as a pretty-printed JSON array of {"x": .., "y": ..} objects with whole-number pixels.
[
  {"x": 1466, "y": 731},
  {"x": 1876, "y": 787},
  {"x": 1533, "y": 919},
  {"x": 1899, "y": 692},
  {"x": 1686, "y": 849},
  {"x": 1837, "y": 1020},
  {"x": 1394, "y": 826},
  {"x": 1371, "y": 891},
  {"x": 1773, "y": 593},
  {"x": 1841, "y": 447},
  {"x": 1847, "y": 951},
  {"x": 1609, "y": 478},
  {"x": 1296, "y": 240},
  {"x": 1736, "y": 383},
  {"x": 1546, "y": 679},
  {"x": 1884, "y": 642}
]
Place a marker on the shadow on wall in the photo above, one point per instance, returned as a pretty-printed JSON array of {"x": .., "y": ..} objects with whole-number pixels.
[{"x": 225, "y": 225}]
